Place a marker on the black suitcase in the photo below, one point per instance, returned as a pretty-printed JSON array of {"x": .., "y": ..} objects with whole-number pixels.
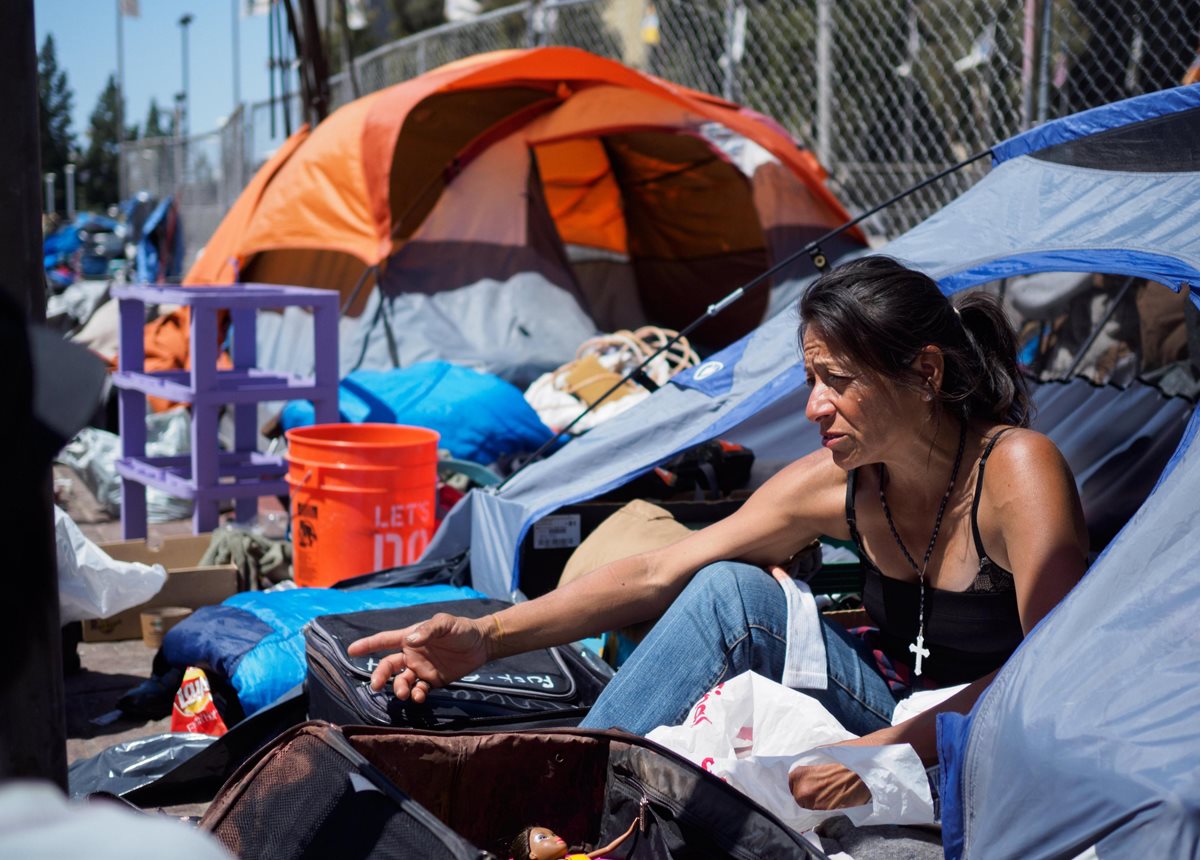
[
  {"x": 550, "y": 687},
  {"x": 365, "y": 792}
]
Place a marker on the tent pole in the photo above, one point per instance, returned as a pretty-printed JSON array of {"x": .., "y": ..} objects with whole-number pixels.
[
  {"x": 1108, "y": 314},
  {"x": 812, "y": 249}
]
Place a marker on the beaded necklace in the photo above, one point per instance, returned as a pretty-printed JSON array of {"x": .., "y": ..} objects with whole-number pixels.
[{"x": 918, "y": 647}]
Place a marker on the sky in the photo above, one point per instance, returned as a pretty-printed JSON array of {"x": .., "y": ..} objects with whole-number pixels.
[{"x": 85, "y": 35}]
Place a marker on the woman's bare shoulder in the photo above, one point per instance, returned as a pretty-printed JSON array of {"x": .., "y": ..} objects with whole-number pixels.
[
  {"x": 812, "y": 489},
  {"x": 1025, "y": 452},
  {"x": 1030, "y": 487},
  {"x": 1032, "y": 521}
]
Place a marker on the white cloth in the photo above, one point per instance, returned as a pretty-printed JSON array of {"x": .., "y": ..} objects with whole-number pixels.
[{"x": 804, "y": 666}]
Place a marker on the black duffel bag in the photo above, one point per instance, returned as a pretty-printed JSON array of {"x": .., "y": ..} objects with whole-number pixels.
[
  {"x": 365, "y": 792},
  {"x": 548, "y": 687}
]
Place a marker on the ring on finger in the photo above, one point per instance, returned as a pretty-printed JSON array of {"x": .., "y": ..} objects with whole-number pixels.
[{"x": 422, "y": 683}]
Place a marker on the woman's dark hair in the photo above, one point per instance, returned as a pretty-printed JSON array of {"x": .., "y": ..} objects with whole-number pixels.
[{"x": 880, "y": 314}]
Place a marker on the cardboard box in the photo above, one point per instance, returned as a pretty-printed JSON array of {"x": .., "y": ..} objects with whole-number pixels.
[{"x": 188, "y": 584}]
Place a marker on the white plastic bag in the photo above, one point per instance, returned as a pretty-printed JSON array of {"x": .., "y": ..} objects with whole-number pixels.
[
  {"x": 93, "y": 585},
  {"x": 752, "y": 731},
  {"x": 93, "y": 455}
]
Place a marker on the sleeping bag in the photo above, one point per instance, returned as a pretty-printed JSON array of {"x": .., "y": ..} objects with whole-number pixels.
[
  {"x": 480, "y": 417},
  {"x": 256, "y": 639}
]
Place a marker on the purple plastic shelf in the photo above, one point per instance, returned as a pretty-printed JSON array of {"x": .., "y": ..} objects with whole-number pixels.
[
  {"x": 209, "y": 475},
  {"x": 240, "y": 476},
  {"x": 228, "y": 386}
]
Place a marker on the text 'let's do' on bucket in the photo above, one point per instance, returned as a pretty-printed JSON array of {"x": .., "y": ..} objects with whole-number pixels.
[{"x": 363, "y": 498}]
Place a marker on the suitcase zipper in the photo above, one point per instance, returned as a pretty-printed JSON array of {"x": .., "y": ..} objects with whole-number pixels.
[{"x": 681, "y": 813}]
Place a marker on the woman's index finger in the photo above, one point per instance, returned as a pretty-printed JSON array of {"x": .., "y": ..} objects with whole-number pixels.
[{"x": 377, "y": 642}]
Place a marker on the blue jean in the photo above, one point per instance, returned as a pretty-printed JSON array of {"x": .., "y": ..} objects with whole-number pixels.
[{"x": 732, "y": 617}]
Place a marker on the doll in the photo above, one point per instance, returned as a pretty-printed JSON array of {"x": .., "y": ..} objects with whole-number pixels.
[{"x": 542, "y": 843}]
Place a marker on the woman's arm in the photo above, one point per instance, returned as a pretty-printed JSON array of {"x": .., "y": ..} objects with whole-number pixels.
[
  {"x": 793, "y": 507},
  {"x": 1031, "y": 523},
  {"x": 831, "y": 786}
]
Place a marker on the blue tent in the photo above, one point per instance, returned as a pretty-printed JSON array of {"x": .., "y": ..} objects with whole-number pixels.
[{"x": 1089, "y": 735}]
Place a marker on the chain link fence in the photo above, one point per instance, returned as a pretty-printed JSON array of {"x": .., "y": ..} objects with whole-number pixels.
[{"x": 886, "y": 92}]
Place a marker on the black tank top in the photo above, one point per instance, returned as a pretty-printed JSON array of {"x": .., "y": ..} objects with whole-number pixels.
[{"x": 968, "y": 633}]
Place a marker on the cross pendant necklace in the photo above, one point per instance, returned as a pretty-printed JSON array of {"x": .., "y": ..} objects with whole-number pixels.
[{"x": 918, "y": 647}]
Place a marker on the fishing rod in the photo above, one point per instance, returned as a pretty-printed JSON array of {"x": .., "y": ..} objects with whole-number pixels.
[{"x": 812, "y": 250}]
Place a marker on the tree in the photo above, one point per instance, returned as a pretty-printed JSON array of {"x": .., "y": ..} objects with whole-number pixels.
[
  {"x": 55, "y": 100},
  {"x": 98, "y": 175},
  {"x": 155, "y": 119},
  {"x": 413, "y": 16}
]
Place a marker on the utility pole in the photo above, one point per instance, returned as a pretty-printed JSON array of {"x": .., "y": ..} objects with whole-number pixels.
[
  {"x": 32, "y": 713},
  {"x": 237, "y": 58},
  {"x": 185, "y": 21},
  {"x": 122, "y": 184}
]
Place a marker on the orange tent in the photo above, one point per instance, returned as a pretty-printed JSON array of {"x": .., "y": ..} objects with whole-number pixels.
[{"x": 640, "y": 197}]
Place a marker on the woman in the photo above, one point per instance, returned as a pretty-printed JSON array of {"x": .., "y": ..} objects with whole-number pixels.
[{"x": 917, "y": 399}]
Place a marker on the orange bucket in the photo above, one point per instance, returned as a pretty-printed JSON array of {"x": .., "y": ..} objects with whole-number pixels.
[{"x": 362, "y": 498}]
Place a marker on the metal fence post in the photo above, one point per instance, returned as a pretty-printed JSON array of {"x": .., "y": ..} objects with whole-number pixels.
[
  {"x": 122, "y": 177},
  {"x": 50, "y": 203},
  {"x": 727, "y": 79},
  {"x": 1028, "y": 39},
  {"x": 1044, "y": 62},
  {"x": 69, "y": 182},
  {"x": 824, "y": 82}
]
